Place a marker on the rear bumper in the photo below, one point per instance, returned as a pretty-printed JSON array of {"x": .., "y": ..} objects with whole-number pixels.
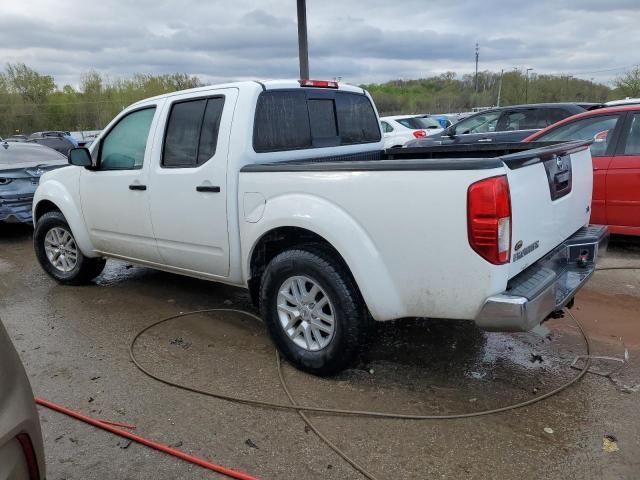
[{"x": 546, "y": 286}]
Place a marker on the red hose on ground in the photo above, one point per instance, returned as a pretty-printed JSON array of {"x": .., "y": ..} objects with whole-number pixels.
[{"x": 149, "y": 443}]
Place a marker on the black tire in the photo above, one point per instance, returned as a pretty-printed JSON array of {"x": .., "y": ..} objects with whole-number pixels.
[
  {"x": 85, "y": 269},
  {"x": 351, "y": 318}
]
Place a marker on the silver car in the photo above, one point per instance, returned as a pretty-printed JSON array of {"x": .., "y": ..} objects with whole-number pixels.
[
  {"x": 21, "y": 165},
  {"x": 21, "y": 448}
]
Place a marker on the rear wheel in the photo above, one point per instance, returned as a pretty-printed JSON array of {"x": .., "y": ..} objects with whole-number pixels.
[
  {"x": 58, "y": 252},
  {"x": 313, "y": 309}
]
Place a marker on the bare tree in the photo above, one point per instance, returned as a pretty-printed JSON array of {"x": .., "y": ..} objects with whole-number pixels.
[{"x": 629, "y": 83}]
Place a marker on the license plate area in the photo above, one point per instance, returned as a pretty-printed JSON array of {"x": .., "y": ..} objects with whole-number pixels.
[{"x": 559, "y": 175}]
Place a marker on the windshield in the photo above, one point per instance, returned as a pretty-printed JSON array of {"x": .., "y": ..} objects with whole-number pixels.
[
  {"x": 481, "y": 123},
  {"x": 419, "y": 123}
]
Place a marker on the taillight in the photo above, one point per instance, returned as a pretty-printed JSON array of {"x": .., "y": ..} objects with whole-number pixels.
[
  {"x": 318, "y": 83},
  {"x": 29, "y": 455},
  {"x": 489, "y": 219},
  {"x": 419, "y": 133}
]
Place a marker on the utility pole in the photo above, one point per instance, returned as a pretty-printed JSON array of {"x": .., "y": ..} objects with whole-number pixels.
[
  {"x": 526, "y": 86},
  {"x": 500, "y": 87},
  {"x": 303, "y": 46},
  {"x": 477, "y": 55}
]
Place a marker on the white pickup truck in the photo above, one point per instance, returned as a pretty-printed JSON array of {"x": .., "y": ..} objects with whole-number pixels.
[{"x": 283, "y": 187}]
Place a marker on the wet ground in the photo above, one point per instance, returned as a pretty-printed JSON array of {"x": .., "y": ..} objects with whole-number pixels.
[{"x": 74, "y": 343}]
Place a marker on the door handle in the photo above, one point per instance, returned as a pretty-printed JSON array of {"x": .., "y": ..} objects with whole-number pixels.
[
  {"x": 207, "y": 188},
  {"x": 137, "y": 186}
]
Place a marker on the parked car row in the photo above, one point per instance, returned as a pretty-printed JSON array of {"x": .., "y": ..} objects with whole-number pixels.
[
  {"x": 613, "y": 127},
  {"x": 504, "y": 124}
]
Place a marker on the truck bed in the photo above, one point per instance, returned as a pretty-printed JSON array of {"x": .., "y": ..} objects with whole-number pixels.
[
  {"x": 407, "y": 211},
  {"x": 442, "y": 157}
]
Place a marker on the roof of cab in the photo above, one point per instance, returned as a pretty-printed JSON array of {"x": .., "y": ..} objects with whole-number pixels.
[{"x": 249, "y": 84}]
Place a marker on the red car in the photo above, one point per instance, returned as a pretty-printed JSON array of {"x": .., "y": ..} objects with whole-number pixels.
[{"x": 616, "y": 162}]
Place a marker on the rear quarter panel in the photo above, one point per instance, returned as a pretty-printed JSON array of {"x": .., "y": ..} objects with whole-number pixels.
[{"x": 403, "y": 234}]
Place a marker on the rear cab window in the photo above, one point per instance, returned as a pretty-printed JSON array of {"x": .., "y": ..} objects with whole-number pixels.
[{"x": 307, "y": 118}]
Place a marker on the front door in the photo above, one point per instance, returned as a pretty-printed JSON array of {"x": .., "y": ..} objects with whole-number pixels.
[
  {"x": 189, "y": 176},
  {"x": 115, "y": 195},
  {"x": 623, "y": 180}
]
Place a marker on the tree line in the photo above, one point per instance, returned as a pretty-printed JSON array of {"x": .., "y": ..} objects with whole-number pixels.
[
  {"x": 452, "y": 93},
  {"x": 31, "y": 101}
]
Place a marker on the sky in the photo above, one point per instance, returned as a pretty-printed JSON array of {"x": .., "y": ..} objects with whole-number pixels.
[{"x": 365, "y": 41}]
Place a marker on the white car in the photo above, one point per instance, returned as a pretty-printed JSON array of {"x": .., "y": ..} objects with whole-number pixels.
[
  {"x": 624, "y": 101},
  {"x": 284, "y": 188},
  {"x": 400, "y": 129}
]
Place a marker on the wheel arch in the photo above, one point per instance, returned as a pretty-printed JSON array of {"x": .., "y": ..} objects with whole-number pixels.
[
  {"x": 53, "y": 196},
  {"x": 297, "y": 219}
]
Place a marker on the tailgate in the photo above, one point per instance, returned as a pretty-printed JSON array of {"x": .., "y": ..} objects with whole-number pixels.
[{"x": 550, "y": 191}]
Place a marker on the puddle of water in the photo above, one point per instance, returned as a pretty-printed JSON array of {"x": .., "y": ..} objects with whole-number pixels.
[{"x": 5, "y": 266}]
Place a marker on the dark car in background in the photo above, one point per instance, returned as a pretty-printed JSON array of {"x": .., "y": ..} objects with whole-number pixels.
[
  {"x": 503, "y": 124},
  {"x": 21, "y": 166},
  {"x": 615, "y": 132},
  {"x": 21, "y": 446},
  {"x": 60, "y": 141}
]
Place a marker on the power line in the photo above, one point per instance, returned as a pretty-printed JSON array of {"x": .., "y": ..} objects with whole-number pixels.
[{"x": 604, "y": 70}]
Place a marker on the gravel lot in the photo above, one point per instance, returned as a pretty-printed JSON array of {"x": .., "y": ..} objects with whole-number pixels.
[{"x": 74, "y": 343}]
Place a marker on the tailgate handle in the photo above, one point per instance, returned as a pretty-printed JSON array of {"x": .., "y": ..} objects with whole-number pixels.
[
  {"x": 207, "y": 188},
  {"x": 562, "y": 178},
  {"x": 137, "y": 186}
]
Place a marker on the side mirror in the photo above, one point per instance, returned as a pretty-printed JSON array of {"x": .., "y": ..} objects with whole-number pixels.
[
  {"x": 451, "y": 131},
  {"x": 79, "y": 157}
]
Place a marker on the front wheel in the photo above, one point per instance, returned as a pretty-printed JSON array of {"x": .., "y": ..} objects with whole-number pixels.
[
  {"x": 58, "y": 252},
  {"x": 313, "y": 309}
]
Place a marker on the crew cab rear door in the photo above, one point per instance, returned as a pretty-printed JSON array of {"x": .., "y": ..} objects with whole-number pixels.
[{"x": 188, "y": 200}]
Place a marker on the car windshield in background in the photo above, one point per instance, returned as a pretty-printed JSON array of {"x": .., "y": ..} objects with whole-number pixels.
[
  {"x": 485, "y": 122},
  {"x": 596, "y": 128},
  {"x": 419, "y": 123}
]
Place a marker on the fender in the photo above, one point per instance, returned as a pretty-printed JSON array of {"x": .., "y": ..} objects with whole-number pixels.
[
  {"x": 54, "y": 188},
  {"x": 343, "y": 232}
]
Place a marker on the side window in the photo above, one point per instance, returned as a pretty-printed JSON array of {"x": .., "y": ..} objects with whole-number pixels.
[
  {"x": 549, "y": 116},
  {"x": 481, "y": 123},
  {"x": 598, "y": 129},
  {"x": 386, "y": 128},
  {"x": 520, "y": 120},
  {"x": 124, "y": 146},
  {"x": 210, "y": 129},
  {"x": 632, "y": 147},
  {"x": 192, "y": 132},
  {"x": 357, "y": 120}
]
